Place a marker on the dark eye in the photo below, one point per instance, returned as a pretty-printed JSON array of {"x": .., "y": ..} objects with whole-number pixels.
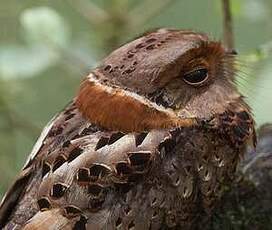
[{"x": 196, "y": 77}]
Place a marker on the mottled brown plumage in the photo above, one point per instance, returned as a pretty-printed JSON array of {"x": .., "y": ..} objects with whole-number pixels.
[{"x": 153, "y": 135}]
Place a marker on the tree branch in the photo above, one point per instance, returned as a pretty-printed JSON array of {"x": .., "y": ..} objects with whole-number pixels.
[
  {"x": 89, "y": 10},
  {"x": 146, "y": 10},
  {"x": 227, "y": 25}
]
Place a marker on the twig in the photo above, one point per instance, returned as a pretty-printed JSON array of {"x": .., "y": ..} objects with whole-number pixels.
[
  {"x": 254, "y": 160},
  {"x": 16, "y": 122},
  {"x": 146, "y": 10},
  {"x": 19, "y": 122},
  {"x": 93, "y": 13},
  {"x": 227, "y": 25},
  {"x": 14, "y": 119}
]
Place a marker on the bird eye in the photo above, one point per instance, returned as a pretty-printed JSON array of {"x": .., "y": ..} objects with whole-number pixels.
[{"x": 196, "y": 77}]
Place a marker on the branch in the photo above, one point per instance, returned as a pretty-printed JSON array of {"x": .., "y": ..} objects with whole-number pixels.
[
  {"x": 227, "y": 25},
  {"x": 15, "y": 120},
  {"x": 93, "y": 13},
  {"x": 21, "y": 123},
  {"x": 146, "y": 10}
]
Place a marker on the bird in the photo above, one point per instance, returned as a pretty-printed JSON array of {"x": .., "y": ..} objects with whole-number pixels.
[{"x": 149, "y": 141}]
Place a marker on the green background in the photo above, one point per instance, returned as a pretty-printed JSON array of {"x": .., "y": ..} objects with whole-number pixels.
[{"x": 47, "y": 47}]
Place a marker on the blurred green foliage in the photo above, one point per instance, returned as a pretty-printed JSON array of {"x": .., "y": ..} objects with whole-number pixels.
[{"x": 46, "y": 47}]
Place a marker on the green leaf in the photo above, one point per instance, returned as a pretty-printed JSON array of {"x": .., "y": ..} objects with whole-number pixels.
[
  {"x": 255, "y": 10},
  {"x": 22, "y": 62},
  {"x": 236, "y": 7},
  {"x": 261, "y": 97},
  {"x": 44, "y": 25}
]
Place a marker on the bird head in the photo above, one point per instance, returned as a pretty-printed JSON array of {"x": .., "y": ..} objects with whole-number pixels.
[{"x": 163, "y": 79}]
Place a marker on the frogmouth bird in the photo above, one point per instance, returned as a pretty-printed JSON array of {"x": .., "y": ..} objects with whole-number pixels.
[{"x": 150, "y": 140}]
